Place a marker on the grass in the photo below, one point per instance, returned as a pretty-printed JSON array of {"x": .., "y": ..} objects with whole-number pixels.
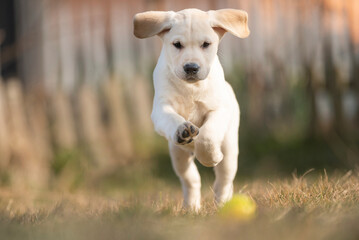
[{"x": 306, "y": 207}]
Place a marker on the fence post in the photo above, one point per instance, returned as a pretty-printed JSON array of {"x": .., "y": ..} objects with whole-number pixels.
[
  {"x": 119, "y": 125},
  {"x": 93, "y": 129},
  {"x": 4, "y": 134},
  {"x": 25, "y": 166}
]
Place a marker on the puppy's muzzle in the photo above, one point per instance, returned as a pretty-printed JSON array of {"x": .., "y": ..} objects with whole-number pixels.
[{"x": 191, "y": 69}]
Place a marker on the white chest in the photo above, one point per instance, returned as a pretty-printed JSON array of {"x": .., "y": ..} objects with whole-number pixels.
[{"x": 192, "y": 110}]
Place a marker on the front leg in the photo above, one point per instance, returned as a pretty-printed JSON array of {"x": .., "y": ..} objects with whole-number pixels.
[
  {"x": 173, "y": 126},
  {"x": 208, "y": 144}
]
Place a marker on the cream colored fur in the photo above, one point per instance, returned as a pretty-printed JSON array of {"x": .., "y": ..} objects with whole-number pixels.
[{"x": 201, "y": 104}]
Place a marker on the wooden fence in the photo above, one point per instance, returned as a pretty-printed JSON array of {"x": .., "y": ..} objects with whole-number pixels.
[
  {"x": 87, "y": 89},
  {"x": 37, "y": 127},
  {"x": 313, "y": 43}
]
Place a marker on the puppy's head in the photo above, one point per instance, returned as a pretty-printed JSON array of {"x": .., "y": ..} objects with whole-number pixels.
[{"x": 191, "y": 36}]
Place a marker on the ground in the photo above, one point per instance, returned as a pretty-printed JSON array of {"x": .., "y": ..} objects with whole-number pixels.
[{"x": 312, "y": 206}]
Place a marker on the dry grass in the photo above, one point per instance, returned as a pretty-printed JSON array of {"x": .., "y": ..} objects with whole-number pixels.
[{"x": 306, "y": 207}]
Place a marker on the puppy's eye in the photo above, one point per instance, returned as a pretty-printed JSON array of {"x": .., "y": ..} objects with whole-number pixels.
[
  {"x": 205, "y": 45},
  {"x": 178, "y": 45}
]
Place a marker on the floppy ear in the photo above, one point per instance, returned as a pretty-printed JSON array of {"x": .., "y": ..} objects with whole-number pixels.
[
  {"x": 230, "y": 20},
  {"x": 148, "y": 24}
]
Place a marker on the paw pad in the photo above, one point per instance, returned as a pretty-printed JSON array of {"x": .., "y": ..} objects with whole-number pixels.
[{"x": 186, "y": 133}]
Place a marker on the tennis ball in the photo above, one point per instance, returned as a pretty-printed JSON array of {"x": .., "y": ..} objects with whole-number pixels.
[{"x": 240, "y": 207}]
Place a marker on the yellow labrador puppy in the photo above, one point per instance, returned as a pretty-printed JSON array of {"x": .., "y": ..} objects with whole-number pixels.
[{"x": 194, "y": 107}]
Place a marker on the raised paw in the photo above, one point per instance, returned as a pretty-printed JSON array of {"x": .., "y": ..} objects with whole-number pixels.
[{"x": 186, "y": 133}]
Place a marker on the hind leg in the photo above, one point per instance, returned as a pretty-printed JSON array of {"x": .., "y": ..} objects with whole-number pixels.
[
  {"x": 226, "y": 170},
  {"x": 186, "y": 170}
]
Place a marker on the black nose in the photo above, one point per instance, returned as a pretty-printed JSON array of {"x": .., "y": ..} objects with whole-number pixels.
[{"x": 191, "y": 68}]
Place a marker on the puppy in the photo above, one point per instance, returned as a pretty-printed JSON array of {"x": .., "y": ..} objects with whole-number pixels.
[{"x": 194, "y": 107}]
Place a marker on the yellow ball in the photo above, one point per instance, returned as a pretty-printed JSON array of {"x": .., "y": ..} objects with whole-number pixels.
[{"x": 240, "y": 207}]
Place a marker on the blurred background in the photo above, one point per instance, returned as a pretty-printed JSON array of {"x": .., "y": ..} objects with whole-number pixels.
[{"x": 76, "y": 91}]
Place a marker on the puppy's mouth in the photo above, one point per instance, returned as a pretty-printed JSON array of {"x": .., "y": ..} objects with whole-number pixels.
[{"x": 192, "y": 78}]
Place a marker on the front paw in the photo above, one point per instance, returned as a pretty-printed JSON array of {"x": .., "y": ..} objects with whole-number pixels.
[{"x": 186, "y": 133}]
